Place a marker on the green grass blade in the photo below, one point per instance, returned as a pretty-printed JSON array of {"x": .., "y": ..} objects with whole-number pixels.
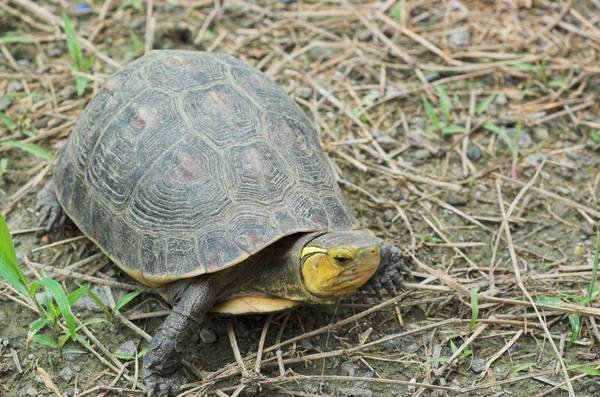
[
  {"x": 521, "y": 367},
  {"x": 585, "y": 369},
  {"x": 474, "y": 308},
  {"x": 430, "y": 113},
  {"x": 72, "y": 43},
  {"x": 80, "y": 84},
  {"x": 397, "y": 11},
  {"x": 8, "y": 121},
  {"x": 45, "y": 340},
  {"x": 485, "y": 104},
  {"x": 575, "y": 322},
  {"x": 453, "y": 129},
  {"x": 3, "y": 166},
  {"x": 58, "y": 293},
  {"x": 502, "y": 134},
  {"x": 445, "y": 102},
  {"x": 10, "y": 270},
  {"x": 30, "y": 148},
  {"x": 125, "y": 299},
  {"x": 592, "y": 286},
  {"x": 549, "y": 300},
  {"x": 78, "y": 293}
]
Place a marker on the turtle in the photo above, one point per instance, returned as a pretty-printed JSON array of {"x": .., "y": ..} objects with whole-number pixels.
[{"x": 202, "y": 179}]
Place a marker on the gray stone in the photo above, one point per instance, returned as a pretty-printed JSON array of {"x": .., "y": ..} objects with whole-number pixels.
[
  {"x": 56, "y": 51},
  {"x": 389, "y": 214},
  {"x": 364, "y": 34},
  {"x": 473, "y": 153},
  {"x": 422, "y": 154},
  {"x": 127, "y": 349},
  {"x": 540, "y": 134},
  {"x": 85, "y": 303},
  {"x": 478, "y": 365},
  {"x": 353, "y": 392},
  {"x": 71, "y": 355},
  {"x": 457, "y": 199},
  {"x": 387, "y": 142},
  {"x": 323, "y": 53},
  {"x": 207, "y": 336},
  {"x": 67, "y": 92},
  {"x": 66, "y": 374},
  {"x": 459, "y": 37},
  {"x": 501, "y": 100},
  {"x": 349, "y": 368},
  {"x": 303, "y": 91},
  {"x": 31, "y": 391},
  {"x": 23, "y": 63},
  {"x": 5, "y": 102},
  {"x": 14, "y": 86}
]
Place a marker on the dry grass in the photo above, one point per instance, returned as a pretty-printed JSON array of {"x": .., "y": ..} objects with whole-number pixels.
[{"x": 494, "y": 224}]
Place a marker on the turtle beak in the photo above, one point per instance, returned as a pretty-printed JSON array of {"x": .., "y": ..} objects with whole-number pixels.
[{"x": 362, "y": 268}]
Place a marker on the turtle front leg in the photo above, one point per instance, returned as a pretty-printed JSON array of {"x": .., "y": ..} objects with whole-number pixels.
[
  {"x": 192, "y": 300},
  {"x": 389, "y": 273},
  {"x": 48, "y": 207}
]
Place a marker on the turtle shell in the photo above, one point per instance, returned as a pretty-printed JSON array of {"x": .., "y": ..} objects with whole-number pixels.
[{"x": 186, "y": 163}]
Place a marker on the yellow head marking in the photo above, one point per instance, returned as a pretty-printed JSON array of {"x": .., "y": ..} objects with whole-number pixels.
[{"x": 339, "y": 270}]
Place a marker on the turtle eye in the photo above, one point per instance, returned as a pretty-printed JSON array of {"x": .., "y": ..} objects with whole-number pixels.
[
  {"x": 342, "y": 260},
  {"x": 342, "y": 256}
]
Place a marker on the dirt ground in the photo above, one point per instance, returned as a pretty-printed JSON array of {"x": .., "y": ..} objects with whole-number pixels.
[{"x": 491, "y": 183}]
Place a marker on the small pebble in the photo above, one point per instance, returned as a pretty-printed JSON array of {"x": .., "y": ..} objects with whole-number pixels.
[
  {"x": 76, "y": 368},
  {"x": 457, "y": 199},
  {"x": 422, "y": 154},
  {"x": 579, "y": 249},
  {"x": 23, "y": 63},
  {"x": 473, "y": 153},
  {"x": 207, "y": 336},
  {"x": 30, "y": 356},
  {"x": 31, "y": 391},
  {"x": 127, "y": 348},
  {"x": 56, "y": 51},
  {"x": 14, "y": 86},
  {"x": 478, "y": 365},
  {"x": 389, "y": 214},
  {"x": 364, "y": 34},
  {"x": 540, "y": 134},
  {"x": 387, "y": 142},
  {"x": 349, "y": 368},
  {"x": 323, "y": 53},
  {"x": 5, "y": 342},
  {"x": 67, "y": 92},
  {"x": 66, "y": 374},
  {"x": 5, "y": 102},
  {"x": 501, "y": 100},
  {"x": 353, "y": 392},
  {"x": 303, "y": 92},
  {"x": 459, "y": 37},
  {"x": 586, "y": 229}
]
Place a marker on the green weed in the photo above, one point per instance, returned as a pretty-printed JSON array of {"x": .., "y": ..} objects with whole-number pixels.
[
  {"x": 79, "y": 62},
  {"x": 441, "y": 122},
  {"x": 55, "y": 308},
  {"x": 397, "y": 11},
  {"x": 474, "y": 309},
  {"x": 29, "y": 148}
]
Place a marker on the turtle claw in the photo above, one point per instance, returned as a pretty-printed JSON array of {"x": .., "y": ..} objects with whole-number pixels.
[
  {"x": 164, "y": 386},
  {"x": 49, "y": 209},
  {"x": 389, "y": 275}
]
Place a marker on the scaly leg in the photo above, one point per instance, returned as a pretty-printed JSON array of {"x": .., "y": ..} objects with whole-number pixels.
[
  {"x": 50, "y": 211},
  {"x": 192, "y": 300}
]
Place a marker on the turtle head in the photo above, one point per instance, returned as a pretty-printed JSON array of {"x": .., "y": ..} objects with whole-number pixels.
[{"x": 337, "y": 263}]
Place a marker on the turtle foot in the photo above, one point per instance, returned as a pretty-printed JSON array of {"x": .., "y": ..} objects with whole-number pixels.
[
  {"x": 389, "y": 274},
  {"x": 49, "y": 209},
  {"x": 164, "y": 386}
]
